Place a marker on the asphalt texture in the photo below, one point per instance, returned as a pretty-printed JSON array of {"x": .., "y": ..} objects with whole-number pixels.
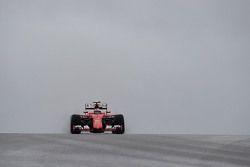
[{"x": 100, "y": 150}]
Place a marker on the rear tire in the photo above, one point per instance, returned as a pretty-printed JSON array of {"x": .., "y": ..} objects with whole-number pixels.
[
  {"x": 119, "y": 120},
  {"x": 75, "y": 120}
]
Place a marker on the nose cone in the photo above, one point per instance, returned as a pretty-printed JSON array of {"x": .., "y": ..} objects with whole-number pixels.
[{"x": 97, "y": 123}]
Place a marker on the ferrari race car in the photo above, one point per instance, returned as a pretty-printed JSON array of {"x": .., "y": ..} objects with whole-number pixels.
[{"x": 97, "y": 119}]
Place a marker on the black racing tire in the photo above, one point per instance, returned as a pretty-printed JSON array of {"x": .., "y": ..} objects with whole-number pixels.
[
  {"x": 118, "y": 120},
  {"x": 75, "y": 120}
]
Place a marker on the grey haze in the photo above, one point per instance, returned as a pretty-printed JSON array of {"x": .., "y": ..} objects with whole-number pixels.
[{"x": 169, "y": 66}]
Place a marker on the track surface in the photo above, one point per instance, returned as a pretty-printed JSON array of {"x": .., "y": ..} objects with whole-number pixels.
[{"x": 98, "y": 150}]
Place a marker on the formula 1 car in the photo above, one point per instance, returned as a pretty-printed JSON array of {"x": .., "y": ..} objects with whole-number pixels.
[{"x": 97, "y": 119}]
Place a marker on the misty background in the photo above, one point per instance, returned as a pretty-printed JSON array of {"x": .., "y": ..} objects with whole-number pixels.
[{"x": 168, "y": 66}]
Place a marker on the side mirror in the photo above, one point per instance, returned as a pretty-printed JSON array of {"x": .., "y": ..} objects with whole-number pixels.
[
  {"x": 107, "y": 112},
  {"x": 85, "y": 112}
]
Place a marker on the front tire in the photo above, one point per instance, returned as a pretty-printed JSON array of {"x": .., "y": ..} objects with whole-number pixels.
[
  {"x": 75, "y": 120},
  {"x": 118, "y": 120}
]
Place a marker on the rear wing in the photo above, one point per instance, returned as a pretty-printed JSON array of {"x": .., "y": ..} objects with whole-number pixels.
[{"x": 92, "y": 106}]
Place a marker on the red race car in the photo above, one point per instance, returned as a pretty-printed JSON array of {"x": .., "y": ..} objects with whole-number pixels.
[{"x": 97, "y": 119}]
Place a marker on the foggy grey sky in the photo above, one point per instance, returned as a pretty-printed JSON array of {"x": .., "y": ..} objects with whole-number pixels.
[{"x": 168, "y": 66}]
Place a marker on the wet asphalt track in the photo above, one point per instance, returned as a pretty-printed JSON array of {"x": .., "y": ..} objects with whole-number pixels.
[{"x": 98, "y": 150}]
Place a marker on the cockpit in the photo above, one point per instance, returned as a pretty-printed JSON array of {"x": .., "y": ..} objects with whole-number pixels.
[{"x": 96, "y": 111}]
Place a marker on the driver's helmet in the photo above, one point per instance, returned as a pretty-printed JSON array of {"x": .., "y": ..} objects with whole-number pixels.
[{"x": 97, "y": 111}]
